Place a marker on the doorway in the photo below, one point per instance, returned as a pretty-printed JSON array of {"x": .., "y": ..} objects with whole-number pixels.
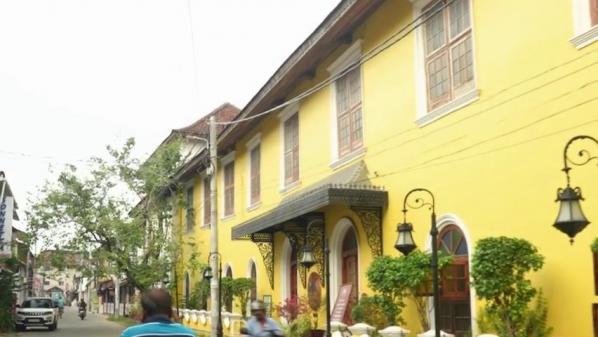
[{"x": 455, "y": 304}]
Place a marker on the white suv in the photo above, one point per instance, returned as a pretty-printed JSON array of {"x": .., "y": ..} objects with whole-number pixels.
[{"x": 37, "y": 312}]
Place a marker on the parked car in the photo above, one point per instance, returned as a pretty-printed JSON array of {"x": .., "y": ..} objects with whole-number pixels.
[{"x": 37, "y": 312}]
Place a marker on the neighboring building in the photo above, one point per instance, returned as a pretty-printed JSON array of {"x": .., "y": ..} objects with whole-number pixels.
[
  {"x": 475, "y": 104},
  {"x": 58, "y": 270},
  {"x": 13, "y": 243}
]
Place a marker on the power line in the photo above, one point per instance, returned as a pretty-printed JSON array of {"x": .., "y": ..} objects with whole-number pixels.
[{"x": 390, "y": 41}]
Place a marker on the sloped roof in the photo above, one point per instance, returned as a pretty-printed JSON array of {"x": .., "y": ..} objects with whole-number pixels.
[
  {"x": 224, "y": 113},
  {"x": 336, "y": 30}
]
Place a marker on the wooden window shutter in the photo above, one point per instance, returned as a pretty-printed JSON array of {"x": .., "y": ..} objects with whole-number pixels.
[{"x": 594, "y": 12}]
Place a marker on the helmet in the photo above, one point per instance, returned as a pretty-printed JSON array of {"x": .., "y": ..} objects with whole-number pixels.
[{"x": 257, "y": 305}]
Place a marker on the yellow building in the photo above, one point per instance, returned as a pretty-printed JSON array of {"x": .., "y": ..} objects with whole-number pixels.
[{"x": 471, "y": 99}]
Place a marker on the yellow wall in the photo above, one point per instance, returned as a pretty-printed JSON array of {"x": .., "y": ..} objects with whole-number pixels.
[{"x": 494, "y": 164}]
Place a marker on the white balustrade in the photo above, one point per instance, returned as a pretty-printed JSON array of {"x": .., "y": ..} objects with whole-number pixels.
[
  {"x": 194, "y": 317},
  {"x": 337, "y": 328},
  {"x": 361, "y": 330},
  {"x": 432, "y": 333},
  {"x": 394, "y": 331}
]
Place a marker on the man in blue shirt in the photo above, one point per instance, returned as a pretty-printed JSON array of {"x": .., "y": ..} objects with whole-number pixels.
[
  {"x": 259, "y": 325},
  {"x": 157, "y": 313}
]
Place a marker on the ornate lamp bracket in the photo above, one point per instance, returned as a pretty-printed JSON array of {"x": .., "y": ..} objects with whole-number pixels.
[
  {"x": 265, "y": 244},
  {"x": 371, "y": 222},
  {"x": 584, "y": 155}
]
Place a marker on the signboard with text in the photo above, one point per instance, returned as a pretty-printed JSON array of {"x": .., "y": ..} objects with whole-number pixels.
[
  {"x": 342, "y": 301},
  {"x": 6, "y": 210}
]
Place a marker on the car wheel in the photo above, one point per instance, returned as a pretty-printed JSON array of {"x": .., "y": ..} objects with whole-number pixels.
[
  {"x": 53, "y": 326},
  {"x": 19, "y": 327}
]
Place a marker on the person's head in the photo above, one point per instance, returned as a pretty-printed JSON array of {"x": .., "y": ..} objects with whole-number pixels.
[
  {"x": 258, "y": 309},
  {"x": 156, "y": 301}
]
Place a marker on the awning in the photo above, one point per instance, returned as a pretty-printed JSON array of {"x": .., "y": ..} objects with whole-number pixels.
[{"x": 349, "y": 187}]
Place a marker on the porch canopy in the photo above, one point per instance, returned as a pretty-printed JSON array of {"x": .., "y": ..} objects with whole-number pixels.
[{"x": 348, "y": 187}]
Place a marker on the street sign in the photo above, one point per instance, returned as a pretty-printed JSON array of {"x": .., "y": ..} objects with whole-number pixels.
[{"x": 6, "y": 212}]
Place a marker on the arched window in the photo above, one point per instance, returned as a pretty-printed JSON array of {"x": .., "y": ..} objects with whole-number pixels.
[
  {"x": 293, "y": 272},
  {"x": 253, "y": 276},
  {"x": 455, "y": 305},
  {"x": 229, "y": 301},
  {"x": 186, "y": 288}
]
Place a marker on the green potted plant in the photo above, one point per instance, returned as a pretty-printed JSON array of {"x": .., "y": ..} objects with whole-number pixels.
[{"x": 499, "y": 268}]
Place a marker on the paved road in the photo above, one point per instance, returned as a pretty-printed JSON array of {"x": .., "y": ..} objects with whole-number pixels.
[{"x": 72, "y": 326}]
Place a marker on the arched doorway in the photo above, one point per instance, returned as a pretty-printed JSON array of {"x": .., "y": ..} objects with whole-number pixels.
[
  {"x": 455, "y": 303},
  {"x": 349, "y": 271}
]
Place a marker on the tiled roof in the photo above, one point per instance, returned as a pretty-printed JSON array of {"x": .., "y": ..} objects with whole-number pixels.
[{"x": 224, "y": 113}]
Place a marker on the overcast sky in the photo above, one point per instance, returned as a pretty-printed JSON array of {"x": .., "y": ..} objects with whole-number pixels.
[{"x": 76, "y": 75}]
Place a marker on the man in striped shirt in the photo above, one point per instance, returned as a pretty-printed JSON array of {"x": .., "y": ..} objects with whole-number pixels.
[{"x": 157, "y": 314}]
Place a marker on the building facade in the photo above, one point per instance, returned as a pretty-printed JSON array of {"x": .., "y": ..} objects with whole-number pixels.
[{"x": 387, "y": 96}]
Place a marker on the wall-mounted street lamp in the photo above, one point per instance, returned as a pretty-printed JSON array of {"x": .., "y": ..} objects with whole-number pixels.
[
  {"x": 571, "y": 219},
  {"x": 308, "y": 260},
  {"x": 406, "y": 245},
  {"x": 208, "y": 274}
]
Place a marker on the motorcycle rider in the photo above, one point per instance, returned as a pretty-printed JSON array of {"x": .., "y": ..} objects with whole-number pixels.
[
  {"x": 259, "y": 325},
  {"x": 82, "y": 308}
]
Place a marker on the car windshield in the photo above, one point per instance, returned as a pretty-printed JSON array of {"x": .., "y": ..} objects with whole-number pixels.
[{"x": 38, "y": 303}]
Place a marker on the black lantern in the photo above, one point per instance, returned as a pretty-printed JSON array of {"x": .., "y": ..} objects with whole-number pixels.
[
  {"x": 308, "y": 259},
  {"x": 405, "y": 243},
  {"x": 207, "y": 273},
  {"x": 570, "y": 219}
]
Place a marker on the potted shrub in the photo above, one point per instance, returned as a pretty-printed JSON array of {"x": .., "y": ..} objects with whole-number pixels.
[
  {"x": 290, "y": 309},
  {"x": 499, "y": 269}
]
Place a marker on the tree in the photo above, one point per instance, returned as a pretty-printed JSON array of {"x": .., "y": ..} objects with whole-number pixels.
[
  {"x": 7, "y": 267},
  {"x": 499, "y": 269},
  {"x": 117, "y": 213},
  {"x": 397, "y": 278}
]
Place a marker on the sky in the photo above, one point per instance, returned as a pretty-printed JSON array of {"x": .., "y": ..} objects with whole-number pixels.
[{"x": 77, "y": 75}]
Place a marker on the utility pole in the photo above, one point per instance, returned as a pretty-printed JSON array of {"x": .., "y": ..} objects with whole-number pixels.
[{"x": 214, "y": 285}]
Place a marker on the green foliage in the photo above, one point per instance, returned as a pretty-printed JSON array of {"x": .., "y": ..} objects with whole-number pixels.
[
  {"x": 241, "y": 290},
  {"x": 226, "y": 289},
  {"x": 534, "y": 324},
  {"x": 300, "y": 327},
  {"x": 116, "y": 213},
  {"x": 377, "y": 311},
  {"x": 594, "y": 246},
  {"x": 499, "y": 268},
  {"x": 397, "y": 278},
  {"x": 198, "y": 299},
  {"x": 6, "y": 297}
]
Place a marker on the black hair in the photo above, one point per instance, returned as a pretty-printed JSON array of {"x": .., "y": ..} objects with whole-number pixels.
[{"x": 156, "y": 301}]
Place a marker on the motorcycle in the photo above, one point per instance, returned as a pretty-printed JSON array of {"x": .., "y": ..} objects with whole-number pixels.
[{"x": 82, "y": 313}]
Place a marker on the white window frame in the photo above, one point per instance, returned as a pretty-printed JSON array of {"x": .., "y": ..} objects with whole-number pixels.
[
  {"x": 288, "y": 112},
  {"x": 251, "y": 145},
  {"x": 229, "y": 158},
  {"x": 348, "y": 57},
  {"x": 584, "y": 33},
  {"x": 423, "y": 115}
]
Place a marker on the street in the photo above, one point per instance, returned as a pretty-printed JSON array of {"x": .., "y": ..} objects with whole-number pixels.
[{"x": 72, "y": 326}]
